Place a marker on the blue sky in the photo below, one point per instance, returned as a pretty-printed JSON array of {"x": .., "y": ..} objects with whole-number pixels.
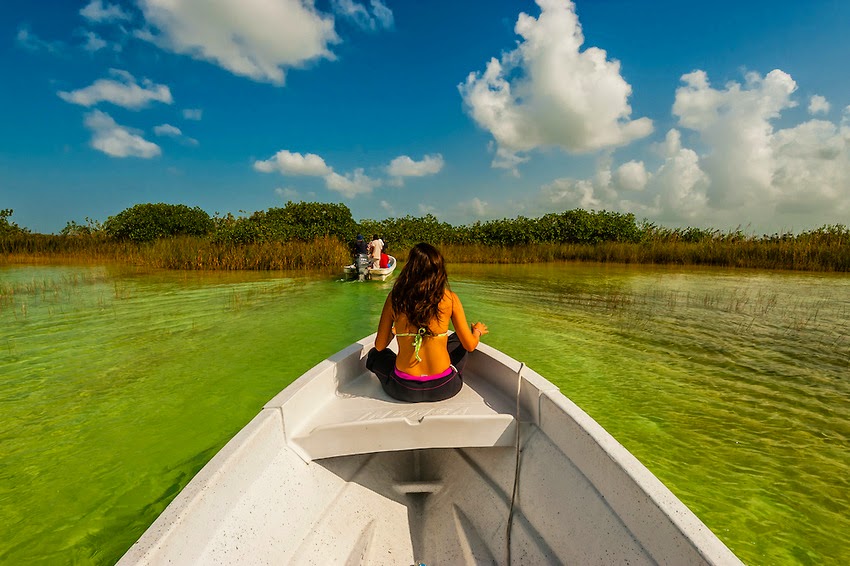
[{"x": 722, "y": 115}]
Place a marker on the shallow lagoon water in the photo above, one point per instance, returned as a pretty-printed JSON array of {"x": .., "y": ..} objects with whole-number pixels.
[{"x": 731, "y": 386}]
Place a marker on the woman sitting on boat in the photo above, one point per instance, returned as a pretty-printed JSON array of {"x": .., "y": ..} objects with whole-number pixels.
[{"x": 429, "y": 363}]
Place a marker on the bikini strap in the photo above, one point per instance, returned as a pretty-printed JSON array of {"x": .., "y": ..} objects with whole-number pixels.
[{"x": 418, "y": 336}]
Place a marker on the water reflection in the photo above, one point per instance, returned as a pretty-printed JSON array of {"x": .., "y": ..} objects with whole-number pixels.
[{"x": 730, "y": 385}]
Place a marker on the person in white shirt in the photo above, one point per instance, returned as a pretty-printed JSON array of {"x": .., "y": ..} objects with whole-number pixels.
[{"x": 375, "y": 247}]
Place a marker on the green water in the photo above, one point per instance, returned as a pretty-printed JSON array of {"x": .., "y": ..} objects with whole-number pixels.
[{"x": 731, "y": 386}]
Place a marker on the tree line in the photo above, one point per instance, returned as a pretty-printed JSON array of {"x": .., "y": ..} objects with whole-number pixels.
[
  {"x": 175, "y": 235},
  {"x": 307, "y": 221}
]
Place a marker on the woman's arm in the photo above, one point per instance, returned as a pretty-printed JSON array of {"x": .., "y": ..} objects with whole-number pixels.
[
  {"x": 385, "y": 326},
  {"x": 469, "y": 337}
]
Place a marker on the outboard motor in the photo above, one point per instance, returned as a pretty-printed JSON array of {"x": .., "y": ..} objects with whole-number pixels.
[{"x": 362, "y": 262}]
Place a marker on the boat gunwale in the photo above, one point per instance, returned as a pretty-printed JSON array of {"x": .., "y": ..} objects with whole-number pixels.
[{"x": 603, "y": 461}]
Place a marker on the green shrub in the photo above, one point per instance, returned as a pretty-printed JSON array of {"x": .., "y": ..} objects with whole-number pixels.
[
  {"x": 147, "y": 222},
  {"x": 408, "y": 230},
  {"x": 573, "y": 226},
  {"x": 307, "y": 221},
  {"x": 91, "y": 229},
  {"x": 303, "y": 221},
  {"x": 580, "y": 226},
  {"x": 7, "y": 228},
  {"x": 237, "y": 230}
]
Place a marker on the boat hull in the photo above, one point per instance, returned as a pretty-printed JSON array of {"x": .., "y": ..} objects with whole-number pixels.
[
  {"x": 362, "y": 272},
  {"x": 334, "y": 471}
]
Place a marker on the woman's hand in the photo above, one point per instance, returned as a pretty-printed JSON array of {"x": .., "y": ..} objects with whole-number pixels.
[{"x": 479, "y": 329}]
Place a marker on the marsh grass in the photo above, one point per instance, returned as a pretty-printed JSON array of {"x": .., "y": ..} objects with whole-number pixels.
[
  {"x": 798, "y": 254},
  {"x": 201, "y": 254},
  {"x": 17, "y": 297},
  {"x": 746, "y": 311},
  {"x": 820, "y": 250},
  {"x": 186, "y": 252}
]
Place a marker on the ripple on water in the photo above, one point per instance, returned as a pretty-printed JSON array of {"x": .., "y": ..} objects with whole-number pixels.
[{"x": 730, "y": 385}]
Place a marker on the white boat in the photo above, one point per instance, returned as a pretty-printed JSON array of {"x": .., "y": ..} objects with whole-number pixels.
[
  {"x": 510, "y": 471},
  {"x": 379, "y": 273}
]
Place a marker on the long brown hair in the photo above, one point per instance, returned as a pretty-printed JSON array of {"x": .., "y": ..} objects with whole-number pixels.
[{"x": 421, "y": 286}]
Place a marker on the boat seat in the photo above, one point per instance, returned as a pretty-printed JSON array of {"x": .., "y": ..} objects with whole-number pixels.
[{"x": 341, "y": 409}]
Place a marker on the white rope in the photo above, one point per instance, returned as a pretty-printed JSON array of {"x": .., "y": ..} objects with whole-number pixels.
[{"x": 516, "y": 469}]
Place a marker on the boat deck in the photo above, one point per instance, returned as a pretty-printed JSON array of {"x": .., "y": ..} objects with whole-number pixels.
[
  {"x": 333, "y": 471},
  {"x": 355, "y": 416}
]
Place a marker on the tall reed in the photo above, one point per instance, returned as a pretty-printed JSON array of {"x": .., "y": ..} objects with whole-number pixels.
[
  {"x": 184, "y": 252},
  {"x": 819, "y": 250},
  {"x": 789, "y": 254}
]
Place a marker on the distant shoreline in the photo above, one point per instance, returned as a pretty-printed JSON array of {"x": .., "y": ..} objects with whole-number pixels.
[
  {"x": 329, "y": 254},
  {"x": 306, "y": 235}
]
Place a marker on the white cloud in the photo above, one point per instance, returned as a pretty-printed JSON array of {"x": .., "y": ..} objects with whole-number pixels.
[
  {"x": 31, "y": 42},
  {"x": 747, "y": 172},
  {"x": 676, "y": 191},
  {"x": 566, "y": 193},
  {"x": 631, "y": 176},
  {"x": 351, "y": 184},
  {"x": 476, "y": 206},
  {"x": 547, "y": 92},
  {"x": 425, "y": 209},
  {"x": 124, "y": 92},
  {"x": 167, "y": 130},
  {"x": 115, "y": 140},
  {"x": 507, "y": 159},
  {"x": 736, "y": 124},
  {"x": 403, "y": 166},
  {"x": 170, "y": 131},
  {"x": 258, "y": 39},
  {"x": 287, "y": 193},
  {"x": 680, "y": 184},
  {"x": 97, "y": 11},
  {"x": 381, "y": 16},
  {"x": 289, "y": 163},
  {"x": 193, "y": 114},
  {"x": 354, "y": 11},
  {"x": 818, "y": 105},
  {"x": 93, "y": 42},
  {"x": 812, "y": 174},
  {"x": 388, "y": 208}
]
